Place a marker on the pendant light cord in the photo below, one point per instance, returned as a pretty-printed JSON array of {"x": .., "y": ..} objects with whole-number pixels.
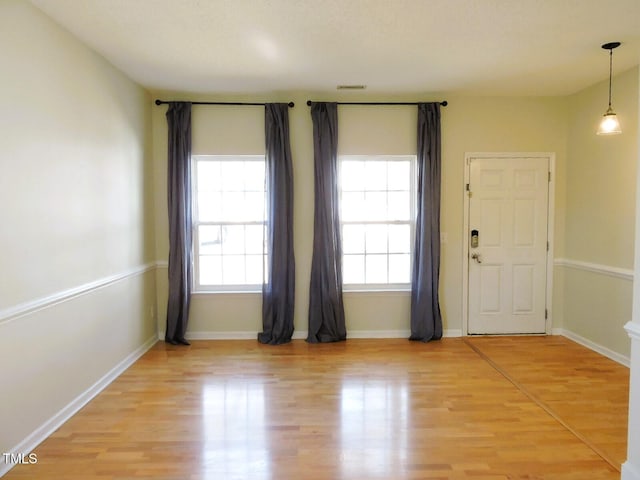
[{"x": 610, "y": 73}]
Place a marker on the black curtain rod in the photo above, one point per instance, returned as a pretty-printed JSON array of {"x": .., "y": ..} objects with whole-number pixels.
[
  {"x": 443, "y": 103},
  {"x": 166, "y": 102}
]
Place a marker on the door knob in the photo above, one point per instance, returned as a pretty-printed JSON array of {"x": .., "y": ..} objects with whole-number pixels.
[{"x": 476, "y": 257}]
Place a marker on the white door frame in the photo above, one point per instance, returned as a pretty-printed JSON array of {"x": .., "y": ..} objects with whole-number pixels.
[{"x": 551, "y": 157}]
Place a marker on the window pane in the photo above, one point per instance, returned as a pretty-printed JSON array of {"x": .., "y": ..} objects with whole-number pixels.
[
  {"x": 375, "y": 206},
  {"x": 233, "y": 239},
  {"x": 209, "y": 207},
  {"x": 399, "y": 239},
  {"x": 353, "y": 238},
  {"x": 399, "y": 175},
  {"x": 208, "y": 175},
  {"x": 353, "y": 268},
  {"x": 210, "y": 270},
  {"x": 233, "y": 269},
  {"x": 232, "y": 175},
  {"x": 210, "y": 239},
  {"x": 376, "y": 175},
  {"x": 254, "y": 207},
  {"x": 399, "y": 268},
  {"x": 254, "y": 269},
  {"x": 376, "y": 239},
  {"x": 352, "y": 205},
  {"x": 233, "y": 206},
  {"x": 352, "y": 175},
  {"x": 228, "y": 192},
  {"x": 254, "y": 239},
  {"x": 376, "y": 269},
  {"x": 254, "y": 176},
  {"x": 399, "y": 206}
]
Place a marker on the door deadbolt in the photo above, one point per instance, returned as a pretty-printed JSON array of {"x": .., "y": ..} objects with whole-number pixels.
[{"x": 475, "y": 239}]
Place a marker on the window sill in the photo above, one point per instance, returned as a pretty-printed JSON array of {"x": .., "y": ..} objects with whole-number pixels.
[
  {"x": 227, "y": 292},
  {"x": 369, "y": 291}
]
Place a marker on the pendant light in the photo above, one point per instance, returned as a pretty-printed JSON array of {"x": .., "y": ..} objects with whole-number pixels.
[{"x": 610, "y": 124}]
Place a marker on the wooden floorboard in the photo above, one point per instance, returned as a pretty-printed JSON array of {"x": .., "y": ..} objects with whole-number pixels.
[
  {"x": 361, "y": 409},
  {"x": 585, "y": 390}
]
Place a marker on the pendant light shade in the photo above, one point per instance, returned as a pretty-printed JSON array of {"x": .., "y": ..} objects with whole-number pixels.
[{"x": 610, "y": 125}]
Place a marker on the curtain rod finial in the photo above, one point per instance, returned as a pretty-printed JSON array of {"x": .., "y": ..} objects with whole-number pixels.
[
  {"x": 158, "y": 102},
  {"x": 291, "y": 104},
  {"x": 444, "y": 103}
]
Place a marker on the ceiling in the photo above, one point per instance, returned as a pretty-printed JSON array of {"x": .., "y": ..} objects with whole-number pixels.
[{"x": 479, "y": 47}]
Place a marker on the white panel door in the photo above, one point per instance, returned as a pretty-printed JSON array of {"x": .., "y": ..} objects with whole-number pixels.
[{"x": 508, "y": 208}]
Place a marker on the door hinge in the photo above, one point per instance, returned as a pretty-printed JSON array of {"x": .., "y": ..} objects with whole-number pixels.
[
  {"x": 468, "y": 190},
  {"x": 549, "y": 176},
  {"x": 546, "y": 314},
  {"x": 547, "y": 246}
]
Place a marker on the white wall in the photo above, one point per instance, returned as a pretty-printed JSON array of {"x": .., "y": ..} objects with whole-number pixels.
[{"x": 77, "y": 290}]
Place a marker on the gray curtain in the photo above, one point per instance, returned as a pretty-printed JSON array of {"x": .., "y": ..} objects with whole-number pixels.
[
  {"x": 279, "y": 288},
  {"x": 426, "y": 320},
  {"x": 326, "y": 310},
  {"x": 179, "y": 204}
]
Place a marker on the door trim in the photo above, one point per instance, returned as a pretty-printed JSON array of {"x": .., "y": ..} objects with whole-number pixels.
[{"x": 551, "y": 157}]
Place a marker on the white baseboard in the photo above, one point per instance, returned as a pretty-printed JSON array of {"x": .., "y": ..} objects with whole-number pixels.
[
  {"x": 452, "y": 333},
  {"x": 630, "y": 471},
  {"x": 227, "y": 335},
  {"x": 302, "y": 334},
  {"x": 378, "y": 334},
  {"x": 615, "y": 356},
  {"x": 221, "y": 335},
  {"x": 41, "y": 433}
]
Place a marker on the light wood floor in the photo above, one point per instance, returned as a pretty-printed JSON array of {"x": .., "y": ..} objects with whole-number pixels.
[{"x": 475, "y": 408}]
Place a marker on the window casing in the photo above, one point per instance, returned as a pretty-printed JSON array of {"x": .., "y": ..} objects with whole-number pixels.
[
  {"x": 229, "y": 223},
  {"x": 377, "y": 216}
]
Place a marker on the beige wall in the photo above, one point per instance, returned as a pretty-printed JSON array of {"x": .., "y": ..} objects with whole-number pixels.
[
  {"x": 601, "y": 189},
  {"x": 76, "y": 293},
  {"x": 468, "y": 124},
  {"x": 600, "y": 214},
  {"x": 499, "y": 124}
]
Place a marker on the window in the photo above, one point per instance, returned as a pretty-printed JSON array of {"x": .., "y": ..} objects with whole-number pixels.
[
  {"x": 229, "y": 222},
  {"x": 377, "y": 198}
]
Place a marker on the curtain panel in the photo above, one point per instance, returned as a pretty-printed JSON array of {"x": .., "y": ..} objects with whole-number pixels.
[
  {"x": 279, "y": 289},
  {"x": 426, "y": 319},
  {"x": 326, "y": 309},
  {"x": 179, "y": 206}
]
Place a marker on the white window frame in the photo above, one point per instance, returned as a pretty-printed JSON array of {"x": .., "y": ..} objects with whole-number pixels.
[
  {"x": 368, "y": 287},
  {"x": 196, "y": 223}
]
